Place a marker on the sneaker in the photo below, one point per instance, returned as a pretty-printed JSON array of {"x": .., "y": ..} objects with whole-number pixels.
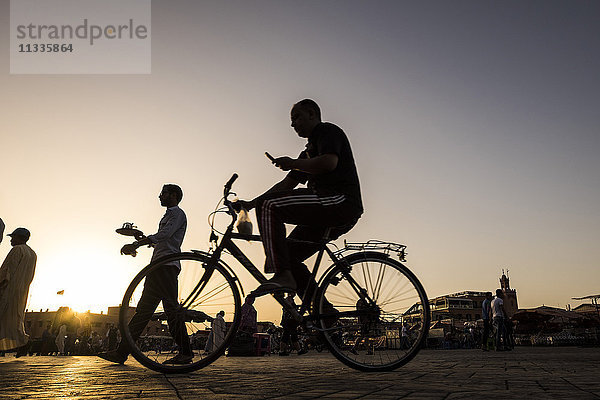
[
  {"x": 113, "y": 356},
  {"x": 180, "y": 359},
  {"x": 281, "y": 282}
]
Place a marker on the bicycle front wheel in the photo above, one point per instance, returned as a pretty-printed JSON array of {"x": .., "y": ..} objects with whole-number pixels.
[
  {"x": 373, "y": 312},
  {"x": 171, "y": 309}
]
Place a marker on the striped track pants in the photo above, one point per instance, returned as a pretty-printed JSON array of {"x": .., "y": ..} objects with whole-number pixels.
[{"x": 300, "y": 207}]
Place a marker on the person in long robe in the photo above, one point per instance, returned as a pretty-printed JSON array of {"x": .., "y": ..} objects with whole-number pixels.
[
  {"x": 60, "y": 339},
  {"x": 16, "y": 274},
  {"x": 217, "y": 333}
]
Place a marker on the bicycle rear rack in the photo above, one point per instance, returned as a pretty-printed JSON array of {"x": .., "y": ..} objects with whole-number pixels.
[{"x": 378, "y": 245}]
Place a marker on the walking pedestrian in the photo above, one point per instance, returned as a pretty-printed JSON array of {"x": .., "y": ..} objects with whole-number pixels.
[
  {"x": 16, "y": 274},
  {"x": 162, "y": 284}
]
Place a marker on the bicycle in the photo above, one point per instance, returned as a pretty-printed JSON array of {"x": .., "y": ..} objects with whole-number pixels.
[{"x": 357, "y": 307}]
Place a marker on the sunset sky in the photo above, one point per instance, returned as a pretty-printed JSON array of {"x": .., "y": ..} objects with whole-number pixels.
[{"x": 474, "y": 125}]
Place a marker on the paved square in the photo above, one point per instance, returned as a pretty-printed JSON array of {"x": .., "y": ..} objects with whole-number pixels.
[{"x": 535, "y": 373}]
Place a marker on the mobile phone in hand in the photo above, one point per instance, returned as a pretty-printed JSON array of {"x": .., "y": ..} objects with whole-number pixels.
[{"x": 270, "y": 157}]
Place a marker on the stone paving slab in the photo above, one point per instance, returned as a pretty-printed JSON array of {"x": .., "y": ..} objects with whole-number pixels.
[{"x": 536, "y": 373}]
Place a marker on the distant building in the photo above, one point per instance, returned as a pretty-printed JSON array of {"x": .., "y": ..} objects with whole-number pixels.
[
  {"x": 464, "y": 306},
  {"x": 511, "y": 306},
  {"x": 590, "y": 310}
]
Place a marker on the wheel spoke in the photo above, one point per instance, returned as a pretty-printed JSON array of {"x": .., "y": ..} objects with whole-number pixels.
[
  {"x": 371, "y": 339},
  {"x": 203, "y": 294},
  {"x": 380, "y": 277}
]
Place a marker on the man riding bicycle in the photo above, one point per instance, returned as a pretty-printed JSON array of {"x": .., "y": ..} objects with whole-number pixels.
[{"x": 331, "y": 199}]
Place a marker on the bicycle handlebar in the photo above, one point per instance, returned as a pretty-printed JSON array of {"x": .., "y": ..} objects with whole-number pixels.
[{"x": 227, "y": 187}]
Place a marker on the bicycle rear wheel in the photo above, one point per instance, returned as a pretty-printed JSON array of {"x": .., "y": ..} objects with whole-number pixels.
[
  {"x": 373, "y": 296},
  {"x": 203, "y": 289}
]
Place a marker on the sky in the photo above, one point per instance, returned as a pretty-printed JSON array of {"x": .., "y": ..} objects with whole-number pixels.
[{"x": 474, "y": 125}]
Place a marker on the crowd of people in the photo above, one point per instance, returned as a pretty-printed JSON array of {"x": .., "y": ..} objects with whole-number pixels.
[{"x": 63, "y": 341}]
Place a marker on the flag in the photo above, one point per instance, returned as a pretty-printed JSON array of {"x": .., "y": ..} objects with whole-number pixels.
[{"x": 61, "y": 292}]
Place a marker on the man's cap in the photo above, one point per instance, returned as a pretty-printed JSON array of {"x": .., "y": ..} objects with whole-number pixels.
[{"x": 20, "y": 232}]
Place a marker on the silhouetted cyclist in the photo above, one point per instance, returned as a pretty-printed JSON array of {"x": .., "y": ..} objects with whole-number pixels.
[{"x": 331, "y": 199}]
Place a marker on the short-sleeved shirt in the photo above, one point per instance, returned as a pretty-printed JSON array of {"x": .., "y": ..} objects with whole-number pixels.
[
  {"x": 171, "y": 231},
  {"x": 497, "y": 304},
  {"x": 485, "y": 309},
  {"x": 327, "y": 138}
]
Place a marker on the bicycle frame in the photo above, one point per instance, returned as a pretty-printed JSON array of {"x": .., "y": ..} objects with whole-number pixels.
[
  {"x": 337, "y": 258},
  {"x": 227, "y": 243}
]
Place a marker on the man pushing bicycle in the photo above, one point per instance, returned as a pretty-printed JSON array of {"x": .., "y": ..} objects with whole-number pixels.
[{"x": 331, "y": 199}]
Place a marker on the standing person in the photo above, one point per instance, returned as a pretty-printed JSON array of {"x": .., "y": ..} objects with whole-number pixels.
[
  {"x": 510, "y": 338},
  {"x": 498, "y": 314},
  {"x": 60, "y": 339},
  {"x": 332, "y": 199},
  {"x": 112, "y": 336},
  {"x": 47, "y": 341},
  {"x": 243, "y": 343},
  {"x": 96, "y": 342},
  {"x": 289, "y": 338},
  {"x": 59, "y": 328},
  {"x": 73, "y": 324},
  {"x": 486, "y": 315},
  {"x": 217, "y": 333},
  {"x": 1, "y": 236},
  {"x": 16, "y": 275},
  {"x": 404, "y": 341},
  {"x": 162, "y": 284},
  {"x": 365, "y": 323},
  {"x": 248, "y": 322}
]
